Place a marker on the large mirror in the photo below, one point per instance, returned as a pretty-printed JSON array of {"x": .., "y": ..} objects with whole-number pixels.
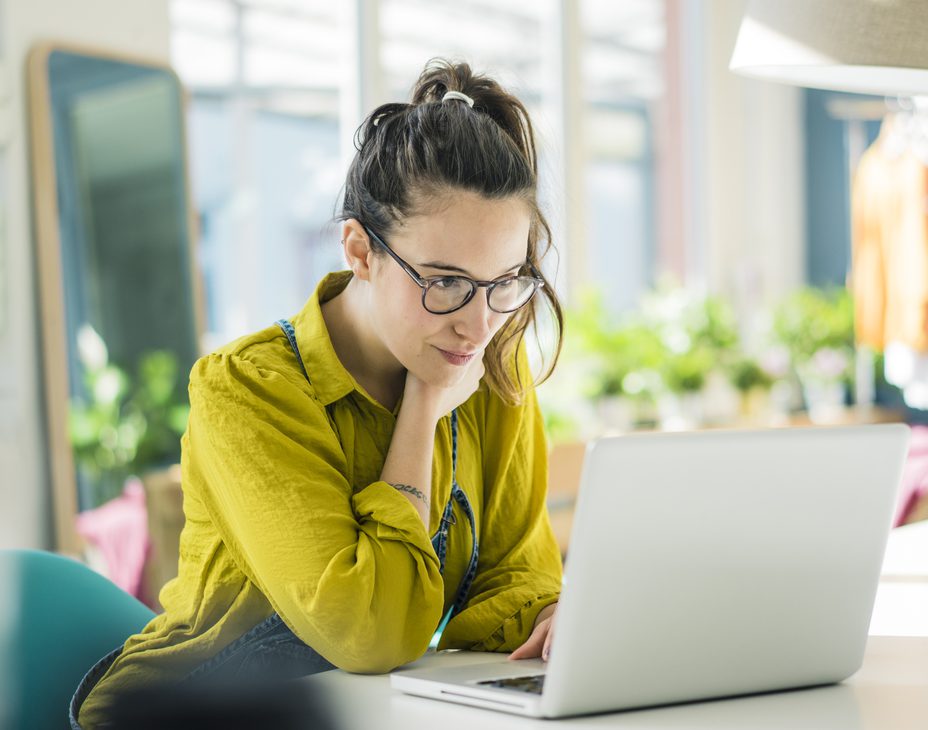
[{"x": 120, "y": 301}]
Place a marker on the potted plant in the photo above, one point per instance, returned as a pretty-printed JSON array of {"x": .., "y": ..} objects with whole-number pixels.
[
  {"x": 699, "y": 336},
  {"x": 124, "y": 426},
  {"x": 817, "y": 327},
  {"x": 618, "y": 359},
  {"x": 753, "y": 384}
]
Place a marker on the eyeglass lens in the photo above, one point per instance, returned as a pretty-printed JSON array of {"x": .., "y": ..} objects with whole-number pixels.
[{"x": 451, "y": 292}]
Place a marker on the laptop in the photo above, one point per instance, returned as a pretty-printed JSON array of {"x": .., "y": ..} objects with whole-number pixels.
[{"x": 705, "y": 565}]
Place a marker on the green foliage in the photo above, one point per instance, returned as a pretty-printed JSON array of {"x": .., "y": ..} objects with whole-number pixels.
[
  {"x": 616, "y": 349},
  {"x": 812, "y": 319},
  {"x": 559, "y": 426},
  {"x": 125, "y": 426},
  {"x": 673, "y": 343},
  {"x": 686, "y": 372},
  {"x": 632, "y": 349},
  {"x": 710, "y": 324},
  {"x": 817, "y": 327},
  {"x": 746, "y": 374},
  {"x": 675, "y": 340},
  {"x": 698, "y": 335}
]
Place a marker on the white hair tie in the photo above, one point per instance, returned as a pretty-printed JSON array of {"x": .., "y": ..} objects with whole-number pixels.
[{"x": 458, "y": 95}]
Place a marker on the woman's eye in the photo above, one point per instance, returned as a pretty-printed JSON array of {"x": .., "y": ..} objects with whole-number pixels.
[{"x": 448, "y": 282}]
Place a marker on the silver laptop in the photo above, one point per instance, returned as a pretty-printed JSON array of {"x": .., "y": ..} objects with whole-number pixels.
[{"x": 703, "y": 565}]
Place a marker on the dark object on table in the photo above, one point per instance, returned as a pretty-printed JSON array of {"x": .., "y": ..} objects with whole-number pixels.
[{"x": 259, "y": 705}]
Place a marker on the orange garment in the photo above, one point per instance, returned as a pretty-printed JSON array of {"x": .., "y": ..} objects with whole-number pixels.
[{"x": 889, "y": 276}]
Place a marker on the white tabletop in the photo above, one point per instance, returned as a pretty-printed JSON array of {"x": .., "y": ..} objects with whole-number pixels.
[
  {"x": 901, "y": 607},
  {"x": 890, "y": 692}
]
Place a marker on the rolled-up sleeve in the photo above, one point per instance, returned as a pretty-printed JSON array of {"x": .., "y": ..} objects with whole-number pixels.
[{"x": 353, "y": 573}]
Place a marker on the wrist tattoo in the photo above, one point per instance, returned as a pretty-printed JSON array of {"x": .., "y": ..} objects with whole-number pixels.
[{"x": 411, "y": 490}]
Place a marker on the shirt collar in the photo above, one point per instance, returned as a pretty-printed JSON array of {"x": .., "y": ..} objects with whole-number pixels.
[{"x": 328, "y": 376}]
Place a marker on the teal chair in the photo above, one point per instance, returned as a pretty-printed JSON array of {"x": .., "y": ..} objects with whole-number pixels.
[{"x": 57, "y": 617}]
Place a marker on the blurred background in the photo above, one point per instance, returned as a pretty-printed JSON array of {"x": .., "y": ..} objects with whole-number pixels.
[{"x": 169, "y": 170}]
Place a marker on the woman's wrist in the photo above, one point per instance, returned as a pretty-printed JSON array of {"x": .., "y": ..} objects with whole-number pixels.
[
  {"x": 418, "y": 413},
  {"x": 408, "y": 464},
  {"x": 421, "y": 403},
  {"x": 546, "y": 612}
]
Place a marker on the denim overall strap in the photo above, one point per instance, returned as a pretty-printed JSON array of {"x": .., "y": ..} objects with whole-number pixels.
[
  {"x": 466, "y": 582},
  {"x": 457, "y": 495},
  {"x": 291, "y": 336},
  {"x": 440, "y": 538}
]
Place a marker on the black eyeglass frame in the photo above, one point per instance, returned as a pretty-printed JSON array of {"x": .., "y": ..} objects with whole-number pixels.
[{"x": 426, "y": 283}]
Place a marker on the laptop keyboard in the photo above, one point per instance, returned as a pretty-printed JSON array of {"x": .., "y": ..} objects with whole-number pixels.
[{"x": 533, "y": 684}]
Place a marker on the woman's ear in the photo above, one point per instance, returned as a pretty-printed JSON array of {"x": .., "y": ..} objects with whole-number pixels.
[{"x": 358, "y": 252}]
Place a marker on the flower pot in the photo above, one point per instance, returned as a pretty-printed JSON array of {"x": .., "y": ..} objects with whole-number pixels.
[
  {"x": 616, "y": 413},
  {"x": 756, "y": 406},
  {"x": 825, "y": 400},
  {"x": 681, "y": 411}
]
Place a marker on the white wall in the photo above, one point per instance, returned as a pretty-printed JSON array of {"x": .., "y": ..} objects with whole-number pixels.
[
  {"x": 137, "y": 27},
  {"x": 748, "y": 172}
]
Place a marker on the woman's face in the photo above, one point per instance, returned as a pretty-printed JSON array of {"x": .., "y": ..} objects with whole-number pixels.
[{"x": 466, "y": 235}]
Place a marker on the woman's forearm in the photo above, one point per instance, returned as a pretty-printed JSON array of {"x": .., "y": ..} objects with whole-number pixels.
[{"x": 408, "y": 466}]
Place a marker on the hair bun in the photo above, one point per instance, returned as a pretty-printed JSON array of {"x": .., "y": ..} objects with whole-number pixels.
[
  {"x": 441, "y": 77},
  {"x": 457, "y": 95}
]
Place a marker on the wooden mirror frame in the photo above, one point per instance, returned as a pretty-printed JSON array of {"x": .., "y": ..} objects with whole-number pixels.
[{"x": 47, "y": 241}]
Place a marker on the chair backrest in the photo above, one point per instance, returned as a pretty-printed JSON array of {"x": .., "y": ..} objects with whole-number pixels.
[{"x": 57, "y": 617}]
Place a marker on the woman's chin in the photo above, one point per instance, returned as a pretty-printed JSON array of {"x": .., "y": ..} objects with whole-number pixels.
[
  {"x": 444, "y": 380},
  {"x": 442, "y": 376}
]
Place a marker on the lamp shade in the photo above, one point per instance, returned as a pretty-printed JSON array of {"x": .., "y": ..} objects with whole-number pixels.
[{"x": 866, "y": 46}]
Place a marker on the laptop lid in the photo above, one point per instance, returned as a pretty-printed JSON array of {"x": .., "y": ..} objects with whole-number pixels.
[{"x": 719, "y": 563}]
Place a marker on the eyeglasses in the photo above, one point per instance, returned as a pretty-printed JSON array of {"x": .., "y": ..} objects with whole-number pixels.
[{"x": 447, "y": 294}]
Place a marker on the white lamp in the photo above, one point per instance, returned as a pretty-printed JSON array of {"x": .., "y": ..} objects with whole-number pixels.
[{"x": 865, "y": 46}]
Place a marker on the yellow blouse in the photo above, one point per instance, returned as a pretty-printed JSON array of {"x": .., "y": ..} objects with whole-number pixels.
[{"x": 285, "y": 512}]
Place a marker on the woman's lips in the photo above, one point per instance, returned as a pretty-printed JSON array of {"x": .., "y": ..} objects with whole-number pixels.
[{"x": 457, "y": 358}]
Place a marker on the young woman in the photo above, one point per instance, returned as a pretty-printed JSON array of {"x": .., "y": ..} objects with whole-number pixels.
[{"x": 373, "y": 471}]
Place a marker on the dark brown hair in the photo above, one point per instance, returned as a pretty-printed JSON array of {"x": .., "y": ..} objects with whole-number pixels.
[{"x": 411, "y": 155}]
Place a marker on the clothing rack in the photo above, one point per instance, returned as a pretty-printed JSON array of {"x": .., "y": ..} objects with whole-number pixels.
[{"x": 873, "y": 110}]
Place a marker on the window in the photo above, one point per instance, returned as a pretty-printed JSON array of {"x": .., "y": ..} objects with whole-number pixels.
[
  {"x": 623, "y": 45},
  {"x": 267, "y": 129},
  {"x": 264, "y": 152}
]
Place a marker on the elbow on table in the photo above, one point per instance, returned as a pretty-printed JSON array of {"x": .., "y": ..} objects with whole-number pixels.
[
  {"x": 373, "y": 632},
  {"x": 382, "y": 655},
  {"x": 360, "y": 645},
  {"x": 368, "y": 646}
]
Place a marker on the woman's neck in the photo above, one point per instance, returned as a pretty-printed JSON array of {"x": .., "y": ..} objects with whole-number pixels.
[{"x": 358, "y": 347}]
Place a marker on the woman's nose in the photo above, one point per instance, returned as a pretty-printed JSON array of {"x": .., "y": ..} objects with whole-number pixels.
[{"x": 474, "y": 320}]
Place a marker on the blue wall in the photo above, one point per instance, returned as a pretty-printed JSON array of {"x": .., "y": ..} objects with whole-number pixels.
[{"x": 828, "y": 186}]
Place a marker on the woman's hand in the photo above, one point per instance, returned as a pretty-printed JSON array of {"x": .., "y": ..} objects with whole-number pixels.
[
  {"x": 539, "y": 643},
  {"x": 438, "y": 401},
  {"x": 408, "y": 464}
]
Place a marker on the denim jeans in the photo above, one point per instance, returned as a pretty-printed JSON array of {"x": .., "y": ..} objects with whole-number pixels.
[{"x": 268, "y": 652}]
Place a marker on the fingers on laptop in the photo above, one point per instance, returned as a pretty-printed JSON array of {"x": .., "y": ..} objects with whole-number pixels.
[
  {"x": 546, "y": 650},
  {"x": 535, "y": 644}
]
